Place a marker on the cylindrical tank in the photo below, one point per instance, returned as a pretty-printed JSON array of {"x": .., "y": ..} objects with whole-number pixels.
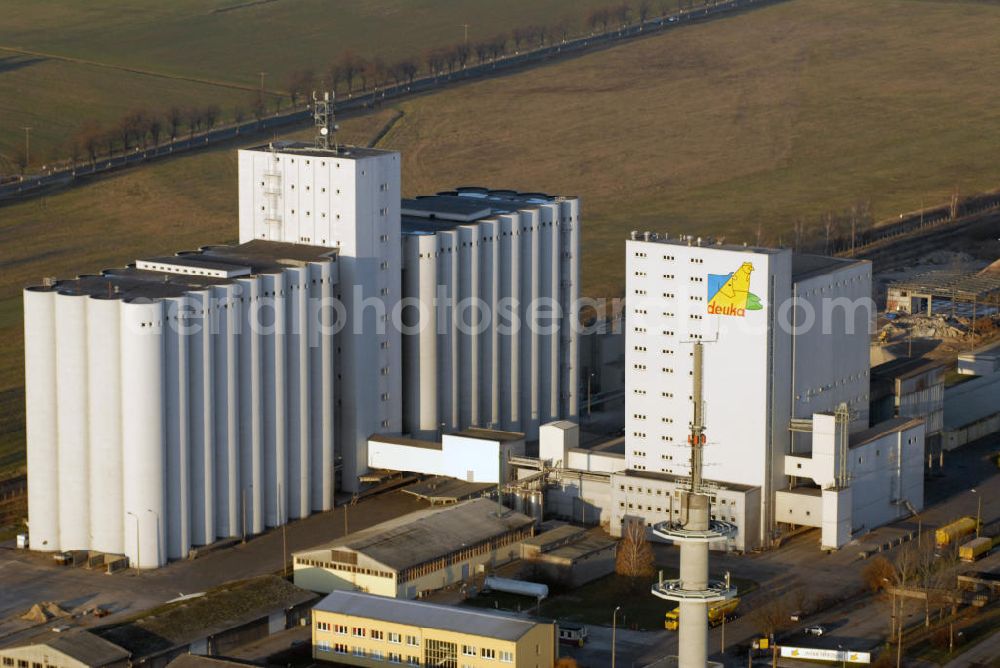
[
  {"x": 511, "y": 259},
  {"x": 143, "y": 457},
  {"x": 104, "y": 350},
  {"x": 41, "y": 418},
  {"x": 324, "y": 401},
  {"x": 197, "y": 329},
  {"x": 572, "y": 247},
  {"x": 226, "y": 403},
  {"x": 299, "y": 407},
  {"x": 177, "y": 521},
  {"x": 536, "y": 506},
  {"x": 251, "y": 411},
  {"x": 72, "y": 393}
]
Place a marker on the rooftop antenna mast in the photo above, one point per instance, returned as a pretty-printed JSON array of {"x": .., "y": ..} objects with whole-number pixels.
[{"x": 323, "y": 119}]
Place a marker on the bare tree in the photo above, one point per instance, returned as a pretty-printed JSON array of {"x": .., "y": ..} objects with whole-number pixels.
[
  {"x": 300, "y": 83},
  {"x": 517, "y": 35},
  {"x": 20, "y": 159},
  {"x": 192, "y": 118},
  {"x": 462, "y": 53},
  {"x": 482, "y": 50},
  {"x": 562, "y": 28},
  {"x": 350, "y": 65},
  {"x": 89, "y": 138},
  {"x": 155, "y": 126},
  {"x": 174, "y": 119},
  {"x": 409, "y": 69},
  {"x": 211, "y": 116},
  {"x": 643, "y": 9},
  {"x": 257, "y": 107},
  {"x": 635, "y": 556},
  {"x": 879, "y": 573},
  {"x": 770, "y": 614},
  {"x": 622, "y": 13},
  {"x": 599, "y": 16}
]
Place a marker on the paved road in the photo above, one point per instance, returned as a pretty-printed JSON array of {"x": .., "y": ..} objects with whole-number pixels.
[
  {"x": 37, "y": 184},
  {"x": 28, "y": 577}
]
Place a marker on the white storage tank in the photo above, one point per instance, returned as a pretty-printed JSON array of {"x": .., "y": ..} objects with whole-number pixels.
[{"x": 72, "y": 398}]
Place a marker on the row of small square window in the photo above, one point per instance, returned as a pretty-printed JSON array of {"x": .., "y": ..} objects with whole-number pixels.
[{"x": 669, "y": 258}]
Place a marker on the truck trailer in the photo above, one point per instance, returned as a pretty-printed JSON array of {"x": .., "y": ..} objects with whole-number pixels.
[
  {"x": 951, "y": 534},
  {"x": 975, "y": 548},
  {"x": 717, "y": 613}
]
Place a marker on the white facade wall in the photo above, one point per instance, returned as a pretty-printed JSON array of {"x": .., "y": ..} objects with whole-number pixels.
[
  {"x": 469, "y": 368},
  {"x": 462, "y": 457},
  {"x": 176, "y": 419},
  {"x": 747, "y": 364},
  {"x": 349, "y": 199},
  {"x": 831, "y": 343}
]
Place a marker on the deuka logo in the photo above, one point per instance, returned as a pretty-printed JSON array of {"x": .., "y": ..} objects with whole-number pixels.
[{"x": 729, "y": 294}]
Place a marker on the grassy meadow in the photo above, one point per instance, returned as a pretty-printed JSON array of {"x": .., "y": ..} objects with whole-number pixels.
[
  {"x": 61, "y": 60},
  {"x": 732, "y": 128}
]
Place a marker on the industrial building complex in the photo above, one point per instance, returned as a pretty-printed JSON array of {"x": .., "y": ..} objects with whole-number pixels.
[{"x": 219, "y": 392}]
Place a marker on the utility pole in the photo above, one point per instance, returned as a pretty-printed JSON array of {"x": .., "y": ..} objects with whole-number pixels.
[
  {"x": 262, "y": 75},
  {"x": 466, "y": 26},
  {"x": 27, "y": 146}
]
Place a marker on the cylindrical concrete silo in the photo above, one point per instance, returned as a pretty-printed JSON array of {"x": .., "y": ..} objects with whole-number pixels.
[
  {"x": 196, "y": 328},
  {"x": 251, "y": 410},
  {"x": 72, "y": 420},
  {"x": 144, "y": 455},
  {"x": 41, "y": 418},
  {"x": 226, "y": 405},
  {"x": 323, "y": 336},
  {"x": 571, "y": 210},
  {"x": 104, "y": 351},
  {"x": 299, "y": 407},
  {"x": 178, "y": 425},
  {"x": 270, "y": 321}
]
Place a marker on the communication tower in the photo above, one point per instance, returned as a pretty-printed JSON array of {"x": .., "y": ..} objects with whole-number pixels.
[
  {"x": 323, "y": 119},
  {"x": 693, "y": 531}
]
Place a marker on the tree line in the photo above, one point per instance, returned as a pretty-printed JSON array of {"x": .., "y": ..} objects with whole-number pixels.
[{"x": 348, "y": 74}]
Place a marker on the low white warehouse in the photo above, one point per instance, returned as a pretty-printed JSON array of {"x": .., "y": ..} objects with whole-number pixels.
[{"x": 473, "y": 455}]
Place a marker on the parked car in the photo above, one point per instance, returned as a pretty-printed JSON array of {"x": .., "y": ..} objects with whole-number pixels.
[
  {"x": 816, "y": 630},
  {"x": 797, "y": 616}
]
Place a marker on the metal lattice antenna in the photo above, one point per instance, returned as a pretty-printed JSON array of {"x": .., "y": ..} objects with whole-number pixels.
[{"x": 323, "y": 119}]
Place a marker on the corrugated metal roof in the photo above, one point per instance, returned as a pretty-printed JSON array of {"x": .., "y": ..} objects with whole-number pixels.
[
  {"x": 426, "y": 535},
  {"x": 81, "y": 645},
  {"x": 971, "y": 401},
  {"x": 487, "y": 624}
]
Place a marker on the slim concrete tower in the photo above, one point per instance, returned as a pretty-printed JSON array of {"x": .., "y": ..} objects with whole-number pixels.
[{"x": 694, "y": 530}]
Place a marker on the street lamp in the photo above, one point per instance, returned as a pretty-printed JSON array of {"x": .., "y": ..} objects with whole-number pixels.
[
  {"x": 138, "y": 543},
  {"x": 157, "y": 516},
  {"x": 614, "y": 630},
  {"x": 979, "y": 508}
]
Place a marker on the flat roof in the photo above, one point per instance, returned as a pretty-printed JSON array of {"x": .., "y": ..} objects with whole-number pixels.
[
  {"x": 692, "y": 240},
  {"x": 79, "y": 644},
  {"x": 882, "y": 429},
  {"x": 954, "y": 284},
  {"x": 182, "y": 622},
  {"x": 904, "y": 367},
  {"x": 477, "y": 622},
  {"x": 806, "y": 265},
  {"x": 442, "y": 488},
  {"x": 429, "y": 534},
  {"x": 467, "y": 205},
  {"x": 489, "y": 434},
  {"x": 131, "y": 283},
  {"x": 342, "y": 151},
  {"x": 560, "y": 533},
  {"x": 561, "y": 424},
  {"x": 669, "y": 477},
  {"x": 403, "y": 440}
]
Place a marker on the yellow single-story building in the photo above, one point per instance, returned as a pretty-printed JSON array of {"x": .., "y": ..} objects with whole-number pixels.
[
  {"x": 359, "y": 629},
  {"x": 420, "y": 552}
]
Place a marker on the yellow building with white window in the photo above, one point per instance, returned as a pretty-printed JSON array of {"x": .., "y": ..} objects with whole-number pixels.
[{"x": 359, "y": 629}]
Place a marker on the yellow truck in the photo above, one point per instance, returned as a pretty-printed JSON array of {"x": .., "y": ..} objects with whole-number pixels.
[
  {"x": 975, "y": 548},
  {"x": 717, "y": 612},
  {"x": 951, "y": 534}
]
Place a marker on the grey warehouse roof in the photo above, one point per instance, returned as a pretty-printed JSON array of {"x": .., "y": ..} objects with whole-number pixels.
[
  {"x": 425, "y": 535},
  {"x": 806, "y": 266},
  {"x": 83, "y": 646},
  {"x": 487, "y": 624}
]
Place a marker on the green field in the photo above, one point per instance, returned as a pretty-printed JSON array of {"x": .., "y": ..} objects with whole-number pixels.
[
  {"x": 81, "y": 46},
  {"x": 728, "y": 128}
]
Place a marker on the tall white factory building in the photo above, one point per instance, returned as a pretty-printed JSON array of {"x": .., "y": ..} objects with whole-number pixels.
[
  {"x": 219, "y": 392},
  {"x": 346, "y": 199},
  {"x": 786, "y": 336}
]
